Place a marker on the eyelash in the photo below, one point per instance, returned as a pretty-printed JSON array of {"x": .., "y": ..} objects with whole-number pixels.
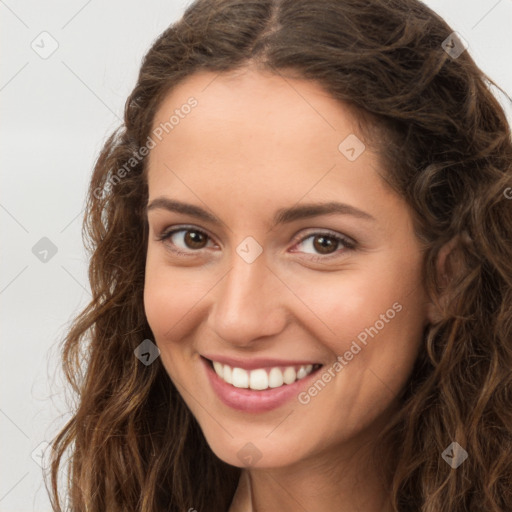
[{"x": 347, "y": 242}]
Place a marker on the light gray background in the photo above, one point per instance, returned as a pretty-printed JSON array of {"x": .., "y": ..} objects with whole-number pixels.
[{"x": 55, "y": 115}]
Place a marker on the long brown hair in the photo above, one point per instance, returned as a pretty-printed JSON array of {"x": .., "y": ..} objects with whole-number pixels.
[{"x": 133, "y": 444}]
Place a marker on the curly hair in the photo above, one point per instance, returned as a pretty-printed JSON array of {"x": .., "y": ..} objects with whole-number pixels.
[{"x": 133, "y": 444}]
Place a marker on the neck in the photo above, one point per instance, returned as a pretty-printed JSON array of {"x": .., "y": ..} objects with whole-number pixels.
[{"x": 346, "y": 483}]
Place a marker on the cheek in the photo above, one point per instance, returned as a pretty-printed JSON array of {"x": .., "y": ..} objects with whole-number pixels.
[
  {"x": 160, "y": 301},
  {"x": 169, "y": 297},
  {"x": 167, "y": 303},
  {"x": 373, "y": 318},
  {"x": 169, "y": 293},
  {"x": 342, "y": 305},
  {"x": 375, "y": 341},
  {"x": 174, "y": 304}
]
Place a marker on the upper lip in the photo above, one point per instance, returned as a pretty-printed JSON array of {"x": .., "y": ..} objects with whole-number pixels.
[{"x": 256, "y": 362}]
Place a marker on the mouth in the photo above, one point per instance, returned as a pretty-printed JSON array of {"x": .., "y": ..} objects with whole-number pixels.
[
  {"x": 264, "y": 378},
  {"x": 260, "y": 386}
]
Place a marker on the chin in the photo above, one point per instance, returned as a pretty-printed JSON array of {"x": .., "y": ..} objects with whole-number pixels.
[{"x": 259, "y": 452}]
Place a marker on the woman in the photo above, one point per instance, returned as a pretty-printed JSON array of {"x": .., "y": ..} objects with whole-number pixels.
[{"x": 301, "y": 272}]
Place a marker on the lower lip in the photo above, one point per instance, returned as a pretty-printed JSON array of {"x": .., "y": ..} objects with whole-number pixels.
[{"x": 249, "y": 400}]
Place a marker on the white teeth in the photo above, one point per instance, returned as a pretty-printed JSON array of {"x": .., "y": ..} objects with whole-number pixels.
[
  {"x": 289, "y": 375},
  {"x": 218, "y": 368},
  {"x": 240, "y": 378},
  {"x": 227, "y": 374},
  {"x": 275, "y": 378},
  {"x": 304, "y": 371},
  {"x": 260, "y": 378}
]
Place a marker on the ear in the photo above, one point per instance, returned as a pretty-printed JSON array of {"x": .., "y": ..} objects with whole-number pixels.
[{"x": 446, "y": 270}]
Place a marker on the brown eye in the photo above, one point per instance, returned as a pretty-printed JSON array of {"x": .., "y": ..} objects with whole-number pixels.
[
  {"x": 184, "y": 240},
  {"x": 194, "y": 239},
  {"x": 325, "y": 244}
]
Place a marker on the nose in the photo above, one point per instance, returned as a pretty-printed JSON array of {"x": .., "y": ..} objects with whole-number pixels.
[{"x": 248, "y": 303}]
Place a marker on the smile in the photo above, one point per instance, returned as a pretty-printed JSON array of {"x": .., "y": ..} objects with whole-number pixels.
[
  {"x": 262, "y": 378},
  {"x": 257, "y": 384}
]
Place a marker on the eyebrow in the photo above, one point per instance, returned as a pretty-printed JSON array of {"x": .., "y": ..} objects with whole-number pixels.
[{"x": 282, "y": 216}]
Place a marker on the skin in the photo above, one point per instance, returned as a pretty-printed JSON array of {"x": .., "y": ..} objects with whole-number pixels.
[{"x": 256, "y": 143}]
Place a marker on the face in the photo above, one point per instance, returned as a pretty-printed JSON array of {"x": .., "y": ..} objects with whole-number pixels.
[{"x": 283, "y": 278}]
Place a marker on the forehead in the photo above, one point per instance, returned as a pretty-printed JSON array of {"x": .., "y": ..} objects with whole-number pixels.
[
  {"x": 259, "y": 106},
  {"x": 261, "y": 136}
]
